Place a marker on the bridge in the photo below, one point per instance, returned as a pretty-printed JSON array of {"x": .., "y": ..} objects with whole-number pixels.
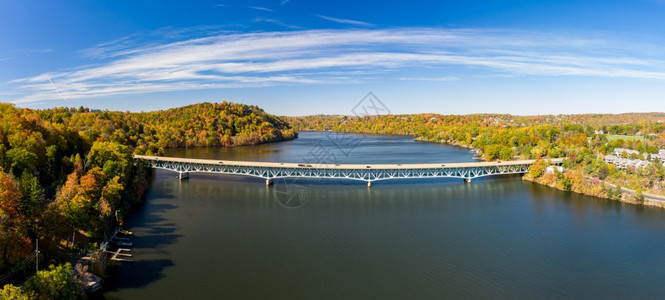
[{"x": 361, "y": 172}]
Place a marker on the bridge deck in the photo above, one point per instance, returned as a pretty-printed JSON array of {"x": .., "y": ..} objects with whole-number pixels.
[{"x": 339, "y": 166}]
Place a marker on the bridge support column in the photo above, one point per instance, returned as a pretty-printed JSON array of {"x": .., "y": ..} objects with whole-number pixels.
[
  {"x": 369, "y": 184},
  {"x": 184, "y": 175},
  {"x": 268, "y": 182},
  {"x": 467, "y": 180}
]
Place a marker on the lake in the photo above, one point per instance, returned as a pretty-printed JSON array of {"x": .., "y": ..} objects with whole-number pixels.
[{"x": 219, "y": 236}]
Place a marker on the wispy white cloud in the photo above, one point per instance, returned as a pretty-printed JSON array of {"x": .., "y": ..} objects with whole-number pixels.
[
  {"x": 302, "y": 57},
  {"x": 276, "y": 22},
  {"x": 135, "y": 43},
  {"x": 26, "y": 52},
  {"x": 441, "y": 79},
  {"x": 29, "y": 52},
  {"x": 261, "y": 8},
  {"x": 117, "y": 47},
  {"x": 345, "y": 21}
]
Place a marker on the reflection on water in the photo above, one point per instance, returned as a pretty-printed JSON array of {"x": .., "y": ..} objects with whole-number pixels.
[{"x": 229, "y": 237}]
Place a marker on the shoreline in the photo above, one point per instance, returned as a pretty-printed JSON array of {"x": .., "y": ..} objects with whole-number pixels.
[{"x": 627, "y": 195}]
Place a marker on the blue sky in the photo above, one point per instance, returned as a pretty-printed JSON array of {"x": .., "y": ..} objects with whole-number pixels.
[{"x": 296, "y": 57}]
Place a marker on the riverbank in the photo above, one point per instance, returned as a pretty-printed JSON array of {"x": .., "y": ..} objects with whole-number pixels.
[
  {"x": 478, "y": 153},
  {"x": 592, "y": 187}
]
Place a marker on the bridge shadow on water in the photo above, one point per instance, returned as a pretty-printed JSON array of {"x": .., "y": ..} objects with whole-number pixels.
[{"x": 345, "y": 181}]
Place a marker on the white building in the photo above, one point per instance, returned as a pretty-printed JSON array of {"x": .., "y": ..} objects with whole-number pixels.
[{"x": 622, "y": 163}]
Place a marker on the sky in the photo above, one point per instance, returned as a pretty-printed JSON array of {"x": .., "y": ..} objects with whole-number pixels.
[{"x": 294, "y": 57}]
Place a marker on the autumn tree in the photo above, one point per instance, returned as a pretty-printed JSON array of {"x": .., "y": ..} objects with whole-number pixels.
[
  {"x": 14, "y": 243},
  {"x": 12, "y": 292},
  {"x": 79, "y": 201},
  {"x": 537, "y": 169},
  {"x": 55, "y": 283}
]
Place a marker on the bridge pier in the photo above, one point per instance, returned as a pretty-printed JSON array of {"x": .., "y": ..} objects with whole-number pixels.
[
  {"x": 269, "y": 182},
  {"x": 467, "y": 180},
  {"x": 369, "y": 184},
  {"x": 184, "y": 175}
]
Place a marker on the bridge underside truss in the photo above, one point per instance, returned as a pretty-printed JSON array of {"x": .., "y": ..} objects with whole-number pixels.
[{"x": 367, "y": 175}]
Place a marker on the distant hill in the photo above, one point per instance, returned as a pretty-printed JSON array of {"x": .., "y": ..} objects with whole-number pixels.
[
  {"x": 403, "y": 124},
  {"x": 197, "y": 125}
]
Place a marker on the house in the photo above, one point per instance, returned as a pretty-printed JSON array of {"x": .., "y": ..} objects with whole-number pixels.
[
  {"x": 617, "y": 159},
  {"x": 619, "y": 152},
  {"x": 550, "y": 169}
]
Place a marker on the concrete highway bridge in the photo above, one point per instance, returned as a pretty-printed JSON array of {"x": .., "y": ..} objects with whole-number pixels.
[{"x": 361, "y": 172}]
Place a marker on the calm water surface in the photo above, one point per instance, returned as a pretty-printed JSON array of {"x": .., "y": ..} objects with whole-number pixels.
[{"x": 216, "y": 236}]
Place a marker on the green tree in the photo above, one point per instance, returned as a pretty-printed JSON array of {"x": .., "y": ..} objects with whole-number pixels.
[
  {"x": 566, "y": 183},
  {"x": 53, "y": 160},
  {"x": 21, "y": 159},
  {"x": 639, "y": 196},
  {"x": 4, "y": 164},
  {"x": 614, "y": 193},
  {"x": 12, "y": 292},
  {"x": 506, "y": 153},
  {"x": 114, "y": 158},
  {"x": 55, "y": 283},
  {"x": 32, "y": 192},
  {"x": 603, "y": 171},
  {"x": 112, "y": 193}
]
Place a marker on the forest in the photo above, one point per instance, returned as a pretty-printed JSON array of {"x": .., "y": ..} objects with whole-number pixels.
[{"x": 69, "y": 171}]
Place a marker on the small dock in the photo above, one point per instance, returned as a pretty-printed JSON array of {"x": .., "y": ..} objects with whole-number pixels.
[{"x": 120, "y": 253}]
